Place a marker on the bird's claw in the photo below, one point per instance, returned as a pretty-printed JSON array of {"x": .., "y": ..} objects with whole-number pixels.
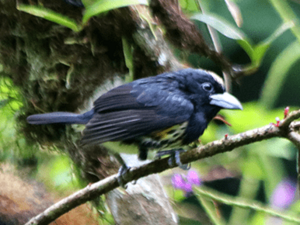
[
  {"x": 185, "y": 166},
  {"x": 124, "y": 169},
  {"x": 174, "y": 160}
]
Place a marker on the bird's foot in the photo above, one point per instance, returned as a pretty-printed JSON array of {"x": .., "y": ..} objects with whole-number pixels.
[
  {"x": 174, "y": 160},
  {"x": 123, "y": 171}
]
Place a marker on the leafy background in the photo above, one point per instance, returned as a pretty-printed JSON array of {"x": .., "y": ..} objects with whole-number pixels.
[{"x": 268, "y": 42}]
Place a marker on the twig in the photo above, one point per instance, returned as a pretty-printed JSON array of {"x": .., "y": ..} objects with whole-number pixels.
[
  {"x": 157, "y": 166},
  {"x": 287, "y": 15},
  {"x": 243, "y": 203},
  {"x": 295, "y": 138},
  {"x": 290, "y": 117},
  {"x": 218, "y": 47},
  {"x": 288, "y": 125}
]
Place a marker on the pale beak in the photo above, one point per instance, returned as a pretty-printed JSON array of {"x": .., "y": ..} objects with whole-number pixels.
[{"x": 225, "y": 101}]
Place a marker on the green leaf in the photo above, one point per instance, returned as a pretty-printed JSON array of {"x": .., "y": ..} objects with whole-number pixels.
[
  {"x": 228, "y": 30},
  {"x": 278, "y": 73},
  {"x": 246, "y": 45},
  {"x": 189, "y": 5},
  {"x": 127, "y": 50},
  {"x": 88, "y": 3},
  {"x": 50, "y": 15},
  {"x": 262, "y": 47},
  {"x": 221, "y": 25},
  {"x": 255, "y": 53},
  {"x": 101, "y": 6}
]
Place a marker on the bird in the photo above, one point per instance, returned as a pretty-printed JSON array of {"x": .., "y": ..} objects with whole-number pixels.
[{"x": 162, "y": 112}]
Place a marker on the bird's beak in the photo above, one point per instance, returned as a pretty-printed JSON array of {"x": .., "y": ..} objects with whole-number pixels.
[{"x": 225, "y": 101}]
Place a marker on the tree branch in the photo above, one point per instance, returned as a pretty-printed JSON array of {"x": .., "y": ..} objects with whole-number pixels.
[
  {"x": 290, "y": 118},
  {"x": 219, "y": 146}
]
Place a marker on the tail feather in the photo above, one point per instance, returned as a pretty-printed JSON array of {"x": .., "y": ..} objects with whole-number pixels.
[{"x": 60, "y": 117}]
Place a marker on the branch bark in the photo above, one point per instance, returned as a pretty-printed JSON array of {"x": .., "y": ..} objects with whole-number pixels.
[{"x": 216, "y": 147}]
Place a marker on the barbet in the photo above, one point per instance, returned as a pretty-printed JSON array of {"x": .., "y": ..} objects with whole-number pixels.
[{"x": 162, "y": 112}]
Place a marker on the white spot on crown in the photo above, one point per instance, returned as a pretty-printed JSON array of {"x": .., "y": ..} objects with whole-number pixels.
[{"x": 216, "y": 77}]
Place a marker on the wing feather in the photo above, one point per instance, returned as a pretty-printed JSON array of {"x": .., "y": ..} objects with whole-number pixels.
[
  {"x": 119, "y": 98},
  {"x": 137, "y": 109},
  {"x": 145, "y": 122}
]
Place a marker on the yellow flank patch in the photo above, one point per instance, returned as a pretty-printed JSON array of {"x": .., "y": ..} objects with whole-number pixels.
[
  {"x": 170, "y": 132},
  {"x": 162, "y": 134}
]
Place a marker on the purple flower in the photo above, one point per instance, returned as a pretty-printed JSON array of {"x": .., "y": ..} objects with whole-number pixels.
[
  {"x": 284, "y": 194},
  {"x": 193, "y": 178},
  {"x": 188, "y": 188},
  {"x": 186, "y": 183},
  {"x": 178, "y": 181}
]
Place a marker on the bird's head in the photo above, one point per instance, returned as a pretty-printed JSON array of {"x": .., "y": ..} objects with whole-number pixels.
[{"x": 206, "y": 89}]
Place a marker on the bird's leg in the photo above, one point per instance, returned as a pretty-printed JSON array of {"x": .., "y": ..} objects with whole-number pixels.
[
  {"x": 174, "y": 156},
  {"x": 143, "y": 153},
  {"x": 123, "y": 170}
]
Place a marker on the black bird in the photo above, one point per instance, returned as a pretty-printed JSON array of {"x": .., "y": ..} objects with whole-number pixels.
[{"x": 161, "y": 112}]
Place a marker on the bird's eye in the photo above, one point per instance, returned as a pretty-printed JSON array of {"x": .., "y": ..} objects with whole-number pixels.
[{"x": 207, "y": 87}]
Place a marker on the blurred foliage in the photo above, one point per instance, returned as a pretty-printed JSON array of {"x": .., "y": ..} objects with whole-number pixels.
[
  {"x": 92, "y": 8},
  {"x": 10, "y": 102},
  {"x": 49, "y": 15},
  {"x": 262, "y": 43},
  {"x": 258, "y": 168},
  {"x": 53, "y": 169}
]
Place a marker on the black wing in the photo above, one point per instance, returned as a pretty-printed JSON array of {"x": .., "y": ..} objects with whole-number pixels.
[{"x": 137, "y": 109}]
